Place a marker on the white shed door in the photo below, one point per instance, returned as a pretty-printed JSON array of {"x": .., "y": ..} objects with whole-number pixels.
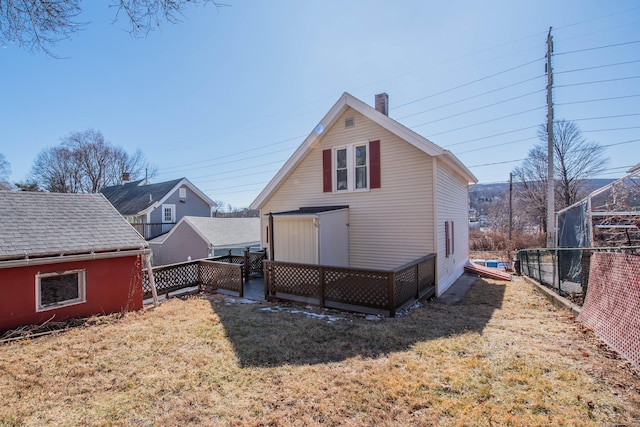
[{"x": 295, "y": 240}]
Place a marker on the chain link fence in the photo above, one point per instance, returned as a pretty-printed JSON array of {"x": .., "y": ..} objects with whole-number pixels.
[{"x": 565, "y": 270}]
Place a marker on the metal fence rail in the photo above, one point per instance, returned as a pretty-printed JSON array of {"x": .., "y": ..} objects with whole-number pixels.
[
  {"x": 565, "y": 270},
  {"x": 333, "y": 287}
]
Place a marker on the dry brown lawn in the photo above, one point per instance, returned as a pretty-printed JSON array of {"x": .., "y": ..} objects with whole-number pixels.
[{"x": 504, "y": 356}]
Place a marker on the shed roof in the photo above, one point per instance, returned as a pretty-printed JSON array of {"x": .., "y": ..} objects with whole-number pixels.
[
  {"x": 219, "y": 232},
  {"x": 46, "y": 224},
  {"x": 311, "y": 210}
]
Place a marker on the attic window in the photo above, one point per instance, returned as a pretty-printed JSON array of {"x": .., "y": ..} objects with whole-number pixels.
[
  {"x": 349, "y": 123},
  {"x": 182, "y": 193},
  {"x": 59, "y": 289}
]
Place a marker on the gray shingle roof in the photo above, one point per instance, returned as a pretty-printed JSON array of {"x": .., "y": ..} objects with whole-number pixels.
[
  {"x": 132, "y": 198},
  {"x": 41, "y": 224},
  {"x": 221, "y": 232}
]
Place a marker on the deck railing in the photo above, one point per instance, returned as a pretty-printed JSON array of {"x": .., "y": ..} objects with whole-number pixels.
[
  {"x": 350, "y": 288},
  {"x": 224, "y": 272}
]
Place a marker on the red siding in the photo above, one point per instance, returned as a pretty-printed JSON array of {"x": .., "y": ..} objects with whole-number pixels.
[
  {"x": 112, "y": 285},
  {"x": 327, "y": 186}
]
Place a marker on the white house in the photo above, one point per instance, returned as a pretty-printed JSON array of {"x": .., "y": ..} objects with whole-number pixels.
[{"x": 369, "y": 192}]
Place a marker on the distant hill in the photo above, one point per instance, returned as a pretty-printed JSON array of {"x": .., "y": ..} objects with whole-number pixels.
[{"x": 482, "y": 195}]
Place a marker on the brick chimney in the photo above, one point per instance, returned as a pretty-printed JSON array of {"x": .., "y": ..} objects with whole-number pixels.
[
  {"x": 382, "y": 103},
  {"x": 125, "y": 177}
]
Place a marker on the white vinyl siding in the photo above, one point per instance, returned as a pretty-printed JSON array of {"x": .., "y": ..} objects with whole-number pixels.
[
  {"x": 295, "y": 239},
  {"x": 387, "y": 226},
  {"x": 453, "y": 209}
]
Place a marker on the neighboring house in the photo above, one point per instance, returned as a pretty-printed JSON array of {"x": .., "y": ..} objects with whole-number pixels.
[
  {"x": 198, "y": 237},
  {"x": 391, "y": 194},
  {"x": 65, "y": 256},
  {"x": 153, "y": 209}
]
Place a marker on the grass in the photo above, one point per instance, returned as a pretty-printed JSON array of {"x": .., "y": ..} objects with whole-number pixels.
[{"x": 504, "y": 356}]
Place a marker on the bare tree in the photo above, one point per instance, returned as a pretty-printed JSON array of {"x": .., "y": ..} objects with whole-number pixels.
[
  {"x": 576, "y": 160},
  {"x": 531, "y": 193},
  {"x": 39, "y": 25},
  {"x": 85, "y": 163},
  {"x": 5, "y": 171}
]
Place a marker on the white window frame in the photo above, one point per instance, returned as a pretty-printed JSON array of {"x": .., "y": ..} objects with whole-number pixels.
[
  {"x": 82, "y": 290},
  {"x": 351, "y": 167},
  {"x": 173, "y": 213},
  {"x": 182, "y": 192}
]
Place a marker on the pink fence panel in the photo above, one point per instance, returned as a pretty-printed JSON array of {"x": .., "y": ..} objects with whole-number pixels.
[{"x": 612, "y": 305}]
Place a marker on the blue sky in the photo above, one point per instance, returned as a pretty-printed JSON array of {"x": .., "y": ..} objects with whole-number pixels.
[{"x": 225, "y": 97}]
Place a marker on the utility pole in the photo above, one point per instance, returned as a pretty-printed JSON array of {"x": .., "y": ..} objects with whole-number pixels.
[{"x": 550, "y": 182}]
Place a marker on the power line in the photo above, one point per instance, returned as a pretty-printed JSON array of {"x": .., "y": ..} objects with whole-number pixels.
[
  {"x": 495, "y": 163},
  {"x": 611, "y": 129},
  {"x": 496, "y": 145},
  {"x": 236, "y": 161},
  {"x": 483, "y": 122},
  {"x": 621, "y": 143},
  {"x": 470, "y": 97},
  {"x": 599, "y": 99},
  {"x": 597, "y": 81},
  {"x": 606, "y": 117},
  {"x": 227, "y": 178},
  {"x": 237, "y": 153},
  {"x": 596, "y": 48},
  {"x": 598, "y": 66},
  {"x": 468, "y": 83},
  {"x": 490, "y": 136},
  {"x": 597, "y": 18}
]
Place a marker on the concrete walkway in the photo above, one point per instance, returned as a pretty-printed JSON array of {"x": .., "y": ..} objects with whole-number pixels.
[{"x": 458, "y": 290}]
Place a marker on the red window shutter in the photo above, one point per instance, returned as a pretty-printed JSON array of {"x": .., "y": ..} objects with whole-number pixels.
[
  {"x": 374, "y": 160},
  {"x": 446, "y": 239},
  {"x": 327, "y": 186},
  {"x": 453, "y": 238}
]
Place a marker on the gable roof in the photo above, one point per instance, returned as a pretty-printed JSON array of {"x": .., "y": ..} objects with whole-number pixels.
[
  {"x": 345, "y": 101},
  {"x": 35, "y": 224},
  {"x": 140, "y": 197},
  {"x": 219, "y": 232}
]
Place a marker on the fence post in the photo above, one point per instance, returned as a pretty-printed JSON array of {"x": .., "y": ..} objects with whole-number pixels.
[
  {"x": 266, "y": 273},
  {"x": 247, "y": 265},
  {"x": 539, "y": 268},
  {"x": 392, "y": 295},
  {"x": 556, "y": 270},
  {"x": 321, "y": 286}
]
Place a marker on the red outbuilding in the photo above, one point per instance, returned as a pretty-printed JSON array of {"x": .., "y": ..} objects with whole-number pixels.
[{"x": 64, "y": 256}]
